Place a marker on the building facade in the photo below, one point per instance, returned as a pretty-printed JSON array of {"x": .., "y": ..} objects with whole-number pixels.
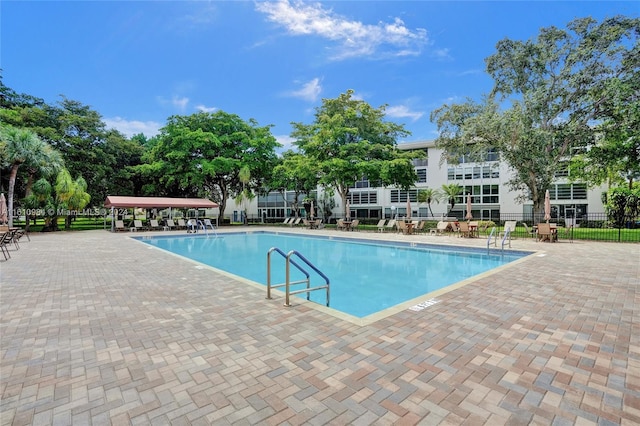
[{"x": 491, "y": 197}]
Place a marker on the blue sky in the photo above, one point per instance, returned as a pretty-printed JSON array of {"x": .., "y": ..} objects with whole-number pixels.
[{"x": 139, "y": 62}]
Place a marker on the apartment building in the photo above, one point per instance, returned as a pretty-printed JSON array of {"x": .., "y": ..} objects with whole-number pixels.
[{"x": 485, "y": 181}]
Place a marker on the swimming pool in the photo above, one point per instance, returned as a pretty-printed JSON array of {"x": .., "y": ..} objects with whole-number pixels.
[{"x": 366, "y": 276}]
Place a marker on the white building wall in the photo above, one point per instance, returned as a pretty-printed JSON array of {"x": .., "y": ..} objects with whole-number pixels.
[{"x": 437, "y": 175}]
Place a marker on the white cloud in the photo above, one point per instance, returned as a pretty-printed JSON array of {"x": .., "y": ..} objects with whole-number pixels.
[
  {"x": 176, "y": 102},
  {"x": 353, "y": 38},
  {"x": 286, "y": 141},
  {"x": 133, "y": 127},
  {"x": 180, "y": 103},
  {"x": 402, "y": 111},
  {"x": 203, "y": 108},
  {"x": 310, "y": 91}
]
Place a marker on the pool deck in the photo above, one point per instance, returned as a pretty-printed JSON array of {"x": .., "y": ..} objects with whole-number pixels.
[{"x": 99, "y": 329}]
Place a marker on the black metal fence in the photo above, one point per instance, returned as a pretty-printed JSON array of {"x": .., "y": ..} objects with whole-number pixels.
[{"x": 592, "y": 227}]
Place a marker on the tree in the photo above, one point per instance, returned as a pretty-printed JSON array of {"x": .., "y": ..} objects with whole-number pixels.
[
  {"x": 245, "y": 177},
  {"x": 22, "y": 147},
  {"x": 552, "y": 88},
  {"x": 623, "y": 206},
  {"x": 202, "y": 155},
  {"x": 349, "y": 140},
  {"x": 294, "y": 172},
  {"x": 451, "y": 191},
  {"x": 615, "y": 157},
  {"x": 71, "y": 195},
  {"x": 429, "y": 195}
]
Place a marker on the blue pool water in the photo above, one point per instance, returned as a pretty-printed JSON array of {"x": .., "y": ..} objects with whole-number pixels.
[{"x": 366, "y": 276}]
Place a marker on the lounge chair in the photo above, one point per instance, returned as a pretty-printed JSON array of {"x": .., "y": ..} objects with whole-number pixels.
[
  {"x": 154, "y": 225},
  {"x": 529, "y": 231},
  {"x": 119, "y": 226},
  {"x": 286, "y": 221},
  {"x": 138, "y": 226},
  {"x": 169, "y": 224},
  {"x": 510, "y": 225},
  {"x": 391, "y": 224},
  {"x": 295, "y": 222},
  {"x": 380, "y": 225},
  {"x": 182, "y": 224},
  {"x": 419, "y": 228},
  {"x": 440, "y": 228}
]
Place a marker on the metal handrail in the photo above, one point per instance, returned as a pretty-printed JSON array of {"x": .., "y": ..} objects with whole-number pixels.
[
  {"x": 507, "y": 233},
  {"x": 493, "y": 230},
  {"x": 288, "y": 281}
]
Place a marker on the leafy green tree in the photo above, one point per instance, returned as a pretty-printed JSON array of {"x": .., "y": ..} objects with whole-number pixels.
[
  {"x": 552, "y": 89},
  {"x": 202, "y": 154},
  {"x": 22, "y": 147},
  {"x": 349, "y": 140},
  {"x": 615, "y": 157},
  {"x": 623, "y": 206},
  {"x": 71, "y": 195},
  {"x": 429, "y": 195},
  {"x": 451, "y": 192},
  {"x": 294, "y": 172}
]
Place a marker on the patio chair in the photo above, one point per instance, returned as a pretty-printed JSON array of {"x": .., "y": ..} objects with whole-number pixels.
[
  {"x": 119, "y": 226},
  {"x": 391, "y": 224},
  {"x": 440, "y": 228},
  {"x": 296, "y": 222},
  {"x": 138, "y": 226},
  {"x": 354, "y": 225},
  {"x": 528, "y": 230},
  {"x": 419, "y": 228},
  {"x": 340, "y": 225},
  {"x": 401, "y": 226},
  {"x": 169, "y": 224},
  {"x": 380, "y": 225},
  {"x": 508, "y": 225},
  {"x": 463, "y": 229},
  {"x": 5, "y": 238},
  {"x": 544, "y": 232}
]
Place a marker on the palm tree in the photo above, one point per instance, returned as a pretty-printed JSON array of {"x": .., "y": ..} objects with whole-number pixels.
[
  {"x": 429, "y": 195},
  {"x": 451, "y": 191},
  {"x": 20, "y": 146},
  {"x": 245, "y": 176}
]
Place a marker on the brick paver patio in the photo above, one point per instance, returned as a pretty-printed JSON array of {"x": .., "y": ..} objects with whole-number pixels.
[{"x": 98, "y": 329}]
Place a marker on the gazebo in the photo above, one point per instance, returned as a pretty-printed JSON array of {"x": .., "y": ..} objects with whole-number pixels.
[{"x": 116, "y": 202}]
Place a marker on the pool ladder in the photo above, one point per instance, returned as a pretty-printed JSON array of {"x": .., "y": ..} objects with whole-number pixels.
[
  {"x": 288, "y": 283},
  {"x": 494, "y": 235}
]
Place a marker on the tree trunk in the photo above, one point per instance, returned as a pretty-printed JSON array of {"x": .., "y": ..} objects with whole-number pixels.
[{"x": 12, "y": 185}]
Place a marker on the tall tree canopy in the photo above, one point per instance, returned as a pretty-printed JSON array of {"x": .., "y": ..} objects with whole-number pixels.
[
  {"x": 548, "y": 96},
  {"x": 294, "y": 172},
  {"x": 22, "y": 147},
  {"x": 349, "y": 140},
  {"x": 202, "y": 155}
]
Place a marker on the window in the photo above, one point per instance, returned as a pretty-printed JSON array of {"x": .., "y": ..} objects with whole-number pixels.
[{"x": 422, "y": 174}]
